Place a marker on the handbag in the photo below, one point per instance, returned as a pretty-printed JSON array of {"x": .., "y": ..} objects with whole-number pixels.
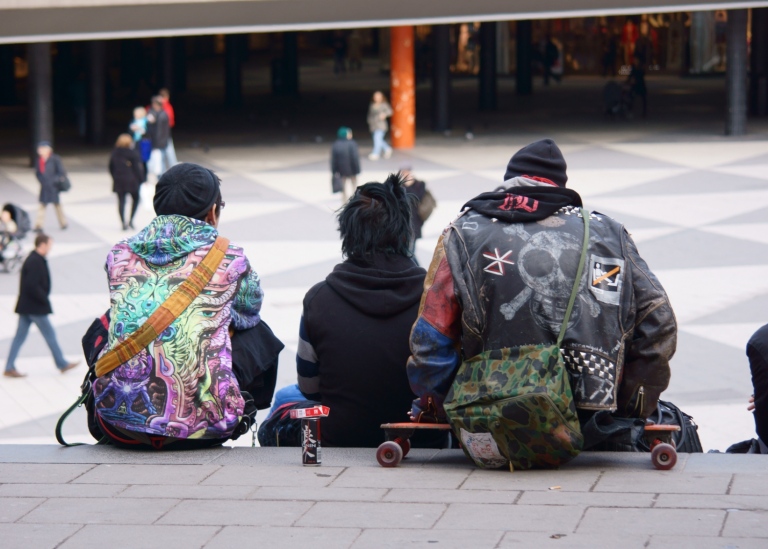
[
  {"x": 606, "y": 433},
  {"x": 155, "y": 325},
  {"x": 337, "y": 183},
  {"x": 515, "y": 405},
  {"x": 427, "y": 205},
  {"x": 255, "y": 354},
  {"x": 62, "y": 184}
]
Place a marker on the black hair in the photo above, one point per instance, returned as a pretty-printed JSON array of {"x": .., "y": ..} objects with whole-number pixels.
[{"x": 377, "y": 221}]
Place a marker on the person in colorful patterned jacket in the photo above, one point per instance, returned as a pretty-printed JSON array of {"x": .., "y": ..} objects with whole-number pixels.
[
  {"x": 180, "y": 389},
  {"x": 502, "y": 275}
]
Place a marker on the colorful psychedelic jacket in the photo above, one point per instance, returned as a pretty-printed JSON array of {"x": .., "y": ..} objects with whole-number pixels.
[
  {"x": 501, "y": 277},
  {"x": 182, "y": 385}
]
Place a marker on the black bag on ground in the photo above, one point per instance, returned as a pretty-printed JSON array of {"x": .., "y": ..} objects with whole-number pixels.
[
  {"x": 604, "y": 432},
  {"x": 687, "y": 439}
]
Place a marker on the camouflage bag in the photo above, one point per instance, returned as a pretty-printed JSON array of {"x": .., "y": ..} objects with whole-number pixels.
[{"x": 515, "y": 405}]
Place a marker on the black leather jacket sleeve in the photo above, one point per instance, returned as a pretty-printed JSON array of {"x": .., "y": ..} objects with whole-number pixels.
[{"x": 652, "y": 342}]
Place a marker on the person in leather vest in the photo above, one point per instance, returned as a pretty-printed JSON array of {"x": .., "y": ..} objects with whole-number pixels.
[{"x": 501, "y": 277}]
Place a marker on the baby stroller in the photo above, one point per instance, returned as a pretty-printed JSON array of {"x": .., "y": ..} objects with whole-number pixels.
[{"x": 11, "y": 250}]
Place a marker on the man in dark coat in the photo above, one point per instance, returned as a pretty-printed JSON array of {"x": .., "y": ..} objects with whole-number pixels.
[
  {"x": 345, "y": 162},
  {"x": 159, "y": 132},
  {"x": 34, "y": 307},
  {"x": 757, "y": 351},
  {"x": 501, "y": 277},
  {"x": 127, "y": 171},
  {"x": 49, "y": 171}
]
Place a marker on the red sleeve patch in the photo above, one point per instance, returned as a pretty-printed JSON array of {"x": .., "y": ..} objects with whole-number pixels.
[{"x": 441, "y": 308}]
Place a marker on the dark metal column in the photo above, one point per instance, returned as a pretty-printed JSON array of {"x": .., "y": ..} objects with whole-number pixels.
[
  {"x": 736, "y": 73},
  {"x": 40, "y": 96},
  {"x": 524, "y": 77},
  {"x": 179, "y": 64},
  {"x": 488, "y": 66},
  {"x": 291, "y": 63},
  {"x": 441, "y": 78},
  {"x": 7, "y": 76},
  {"x": 234, "y": 70},
  {"x": 164, "y": 64},
  {"x": 758, "y": 62},
  {"x": 97, "y": 85}
]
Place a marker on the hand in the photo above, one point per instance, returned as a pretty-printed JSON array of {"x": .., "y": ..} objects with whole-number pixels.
[
  {"x": 425, "y": 416},
  {"x": 751, "y": 406}
]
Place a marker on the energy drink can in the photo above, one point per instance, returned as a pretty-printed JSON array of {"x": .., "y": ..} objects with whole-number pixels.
[{"x": 310, "y": 434}]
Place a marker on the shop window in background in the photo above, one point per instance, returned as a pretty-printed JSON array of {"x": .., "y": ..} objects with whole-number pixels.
[{"x": 708, "y": 41}]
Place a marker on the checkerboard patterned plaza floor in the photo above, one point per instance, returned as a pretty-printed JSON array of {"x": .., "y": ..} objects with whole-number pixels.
[{"x": 698, "y": 210}]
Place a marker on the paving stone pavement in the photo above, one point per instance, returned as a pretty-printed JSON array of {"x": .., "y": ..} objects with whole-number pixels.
[
  {"x": 697, "y": 208},
  {"x": 88, "y": 496}
]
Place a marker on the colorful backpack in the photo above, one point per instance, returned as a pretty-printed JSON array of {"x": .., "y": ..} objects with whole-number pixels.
[{"x": 515, "y": 405}]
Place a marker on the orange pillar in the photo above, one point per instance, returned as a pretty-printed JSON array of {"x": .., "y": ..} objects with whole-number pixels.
[{"x": 403, "y": 86}]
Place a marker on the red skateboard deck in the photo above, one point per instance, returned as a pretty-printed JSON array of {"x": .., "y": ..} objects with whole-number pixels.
[{"x": 392, "y": 452}]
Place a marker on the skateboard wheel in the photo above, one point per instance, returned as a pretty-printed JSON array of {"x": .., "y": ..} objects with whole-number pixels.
[
  {"x": 664, "y": 456},
  {"x": 389, "y": 454},
  {"x": 405, "y": 445}
]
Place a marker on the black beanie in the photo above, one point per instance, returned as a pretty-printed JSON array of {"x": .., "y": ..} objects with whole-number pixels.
[
  {"x": 540, "y": 159},
  {"x": 186, "y": 189}
]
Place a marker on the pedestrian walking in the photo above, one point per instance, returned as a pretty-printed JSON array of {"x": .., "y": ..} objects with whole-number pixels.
[
  {"x": 637, "y": 87},
  {"x": 138, "y": 129},
  {"x": 170, "y": 150},
  {"x": 421, "y": 207},
  {"x": 345, "y": 163},
  {"x": 339, "y": 52},
  {"x": 127, "y": 171},
  {"x": 33, "y": 307},
  {"x": 53, "y": 179},
  {"x": 159, "y": 131},
  {"x": 378, "y": 112},
  {"x": 552, "y": 63},
  {"x": 355, "y": 51}
]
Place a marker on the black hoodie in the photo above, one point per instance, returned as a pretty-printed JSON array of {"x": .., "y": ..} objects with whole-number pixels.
[{"x": 359, "y": 321}]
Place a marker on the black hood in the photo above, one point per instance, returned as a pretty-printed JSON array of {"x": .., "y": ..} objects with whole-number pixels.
[
  {"x": 524, "y": 204},
  {"x": 386, "y": 288}
]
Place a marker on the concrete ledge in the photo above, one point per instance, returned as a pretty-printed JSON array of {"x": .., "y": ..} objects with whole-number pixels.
[{"x": 77, "y": 497}]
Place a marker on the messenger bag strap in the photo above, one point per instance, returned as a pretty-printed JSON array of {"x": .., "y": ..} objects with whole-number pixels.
[
  {"x": 167, "y": 312},
  {"x": 585, "y": 215}
]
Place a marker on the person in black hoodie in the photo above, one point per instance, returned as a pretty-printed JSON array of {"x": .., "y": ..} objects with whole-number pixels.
[
  {"x": 34, "y": 307},
  {"x": 501, "y": 278},
  {"x": 353, "y": 337}
]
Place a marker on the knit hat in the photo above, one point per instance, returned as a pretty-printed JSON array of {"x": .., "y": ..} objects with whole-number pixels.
[
  {"x": 186, "y": 189},
  {"x": 343, "y": 132},
  {"x": 540, "y": 159}
]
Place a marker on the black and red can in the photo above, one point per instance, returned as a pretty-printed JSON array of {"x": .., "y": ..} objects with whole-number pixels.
[{"x": 310, "y": 441}]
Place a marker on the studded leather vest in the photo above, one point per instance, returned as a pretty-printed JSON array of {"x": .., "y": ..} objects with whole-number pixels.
[{"x": 513, "y": 281}]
